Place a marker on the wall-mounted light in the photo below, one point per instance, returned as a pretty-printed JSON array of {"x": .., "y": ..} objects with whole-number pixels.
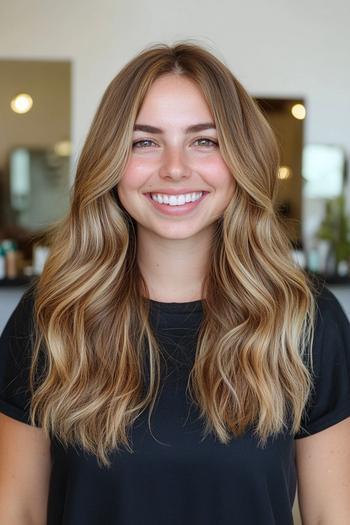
[
  {"x": 284, "y": 172},
  {"x": 21, "y": 103},
  {"x": 298, "y": 111}
]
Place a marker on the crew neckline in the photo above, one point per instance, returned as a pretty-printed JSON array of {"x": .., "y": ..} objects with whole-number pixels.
[{"x": 189, "y": 306}]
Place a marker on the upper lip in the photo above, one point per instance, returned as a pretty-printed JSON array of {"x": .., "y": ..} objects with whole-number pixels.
[{"x": 176, "y": 192}]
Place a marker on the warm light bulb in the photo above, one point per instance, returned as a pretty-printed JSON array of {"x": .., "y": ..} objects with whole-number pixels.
[
  {"x": 298, "y": 111},
  {"x": 22, "y": 103},
  {"x": 284, "y": 172}
]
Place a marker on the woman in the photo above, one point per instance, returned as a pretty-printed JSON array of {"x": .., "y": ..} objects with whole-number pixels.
[{"x": 172, "y": 365}]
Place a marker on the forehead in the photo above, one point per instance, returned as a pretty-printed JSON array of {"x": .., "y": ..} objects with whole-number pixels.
[{"x": 174, "y": 95}]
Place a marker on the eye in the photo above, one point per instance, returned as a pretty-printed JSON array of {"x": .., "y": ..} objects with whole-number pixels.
[
  {"x": 211, "y": 143},
  {"x": 146, "y": 143},
  {"x": 138, "y": 143}
]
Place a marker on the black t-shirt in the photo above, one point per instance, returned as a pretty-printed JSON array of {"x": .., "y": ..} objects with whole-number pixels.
[{"x": 173, "y": 477}]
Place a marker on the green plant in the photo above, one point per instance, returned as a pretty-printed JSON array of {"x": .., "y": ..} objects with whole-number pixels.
[{"x": 335, "y": 227}]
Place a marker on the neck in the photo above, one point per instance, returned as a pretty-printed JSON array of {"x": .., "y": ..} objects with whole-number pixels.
[{"x": 174, "y": 269}]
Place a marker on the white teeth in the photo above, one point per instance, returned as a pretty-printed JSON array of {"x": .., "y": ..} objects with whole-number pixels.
[{"x": 176, "y": 200}]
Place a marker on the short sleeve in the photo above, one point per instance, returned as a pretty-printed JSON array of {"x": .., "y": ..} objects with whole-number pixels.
[
  {"x": 329, "y": 401},
  {"x": 16, "y": 344}
]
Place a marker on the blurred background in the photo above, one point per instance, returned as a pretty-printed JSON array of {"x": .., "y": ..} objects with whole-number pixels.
[{"x": 56, "y": 59}]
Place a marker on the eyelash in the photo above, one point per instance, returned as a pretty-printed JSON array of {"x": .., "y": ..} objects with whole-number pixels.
[{"x": 213, "y": 143}]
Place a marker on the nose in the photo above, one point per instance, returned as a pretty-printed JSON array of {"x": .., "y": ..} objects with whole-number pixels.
[{"x": 174, "y": 164}]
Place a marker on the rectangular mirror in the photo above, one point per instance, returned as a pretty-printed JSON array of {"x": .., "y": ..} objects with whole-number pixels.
[{"x": 35, "y": 149}]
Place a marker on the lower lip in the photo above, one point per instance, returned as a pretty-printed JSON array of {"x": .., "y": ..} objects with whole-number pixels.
[{"x": 182, "y": 209}]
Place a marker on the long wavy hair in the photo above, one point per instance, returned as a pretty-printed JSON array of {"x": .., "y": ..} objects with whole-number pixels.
[{"x": 252, "y": 362}]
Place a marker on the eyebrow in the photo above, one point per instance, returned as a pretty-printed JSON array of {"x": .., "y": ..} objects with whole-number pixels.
[{"x": 191, "y": 129}]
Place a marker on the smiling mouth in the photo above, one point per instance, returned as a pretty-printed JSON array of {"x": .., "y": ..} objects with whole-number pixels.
[
  {"x": 172, "y": 200},
  {"x": 174, "y": 209}
]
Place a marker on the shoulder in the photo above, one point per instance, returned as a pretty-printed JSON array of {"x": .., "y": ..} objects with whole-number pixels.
[
  {"x": 17, "y": 337},
  {"x": 331, "y": 322},
  {"x": 328, "y": 306},
  {"x": 16, "y": 344},
  {"x": 21, "y": 318},
  {"x": 329, "y": 400}
]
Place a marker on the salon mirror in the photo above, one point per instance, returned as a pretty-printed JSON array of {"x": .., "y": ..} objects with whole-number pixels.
[
  {"x": 286, "y": 117},
  {"x": 35, "y": 147},
  {"x": 310, "y": 174}
]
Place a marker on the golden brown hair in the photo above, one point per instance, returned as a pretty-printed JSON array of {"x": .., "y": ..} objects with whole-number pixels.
[{"x": 92, "y": 321}]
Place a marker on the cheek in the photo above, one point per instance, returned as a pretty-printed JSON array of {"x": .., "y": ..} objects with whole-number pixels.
[
  {"x": 218, "y": 173},
  {"x": 132, "y": 178}
]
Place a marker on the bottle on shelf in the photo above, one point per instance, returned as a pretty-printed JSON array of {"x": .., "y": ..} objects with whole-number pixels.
[
  {"x": 2, "y": 263},
  {"x": 11, "y": 258}
]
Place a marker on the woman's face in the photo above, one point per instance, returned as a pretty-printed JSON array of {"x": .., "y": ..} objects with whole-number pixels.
[{"x": 170, "y": 159}]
